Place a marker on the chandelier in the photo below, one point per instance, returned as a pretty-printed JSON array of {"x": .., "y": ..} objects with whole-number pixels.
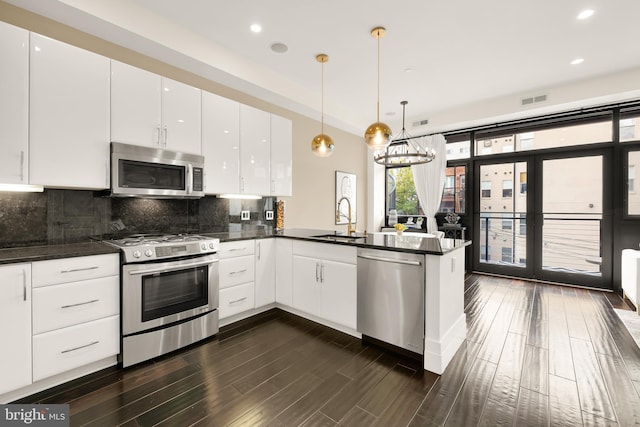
[{"x": 404, "y": 150}]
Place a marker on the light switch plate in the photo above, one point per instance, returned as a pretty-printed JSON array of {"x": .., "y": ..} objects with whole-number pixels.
[
  {"x": 269, "y": 215},
  {"x": 245, "y": 215}
]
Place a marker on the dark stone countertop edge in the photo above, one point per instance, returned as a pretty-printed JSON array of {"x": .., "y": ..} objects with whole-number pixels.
[
  {"x": 430, "y": 246},
  {"x": 70, "y": 250},
  {"x": 43, "y": 253}
]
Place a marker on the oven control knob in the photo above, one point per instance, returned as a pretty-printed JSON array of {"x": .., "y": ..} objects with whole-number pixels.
[
  {"x": 204, "y": 246},
  {"x": 137, "y": 254},
  {"x": 148, "y": 252},
  {"x": 211, "y": 245}
]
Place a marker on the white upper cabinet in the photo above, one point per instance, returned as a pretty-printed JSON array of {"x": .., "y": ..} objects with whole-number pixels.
[
  {"x": 221, "y": 144},
  {"x": 69, "y": 116},
  {"x": 136, "y": 114},
  {"x": 14, "y": 105},
  {"x": 255, "y": 136},
  {"x": 281, "y": 164},
  {"x": 147, "y": 109}
]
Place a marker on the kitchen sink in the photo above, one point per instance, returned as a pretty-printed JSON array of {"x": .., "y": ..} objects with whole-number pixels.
[{"x": 339, "y": 237}]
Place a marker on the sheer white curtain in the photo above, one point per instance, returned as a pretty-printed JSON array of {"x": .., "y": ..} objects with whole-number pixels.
[{"x": 429, "y": 179}]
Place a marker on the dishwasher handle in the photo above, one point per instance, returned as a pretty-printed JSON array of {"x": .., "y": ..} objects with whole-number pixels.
[{"x": 392, "y": 260}]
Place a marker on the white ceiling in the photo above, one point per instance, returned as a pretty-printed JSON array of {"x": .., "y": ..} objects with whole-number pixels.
[{"x": 459, "y": 52}]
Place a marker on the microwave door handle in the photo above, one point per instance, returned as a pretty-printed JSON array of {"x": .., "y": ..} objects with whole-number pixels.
[
  {"x": 167, "y": 269},
  {"x": 189, "y": 178}
]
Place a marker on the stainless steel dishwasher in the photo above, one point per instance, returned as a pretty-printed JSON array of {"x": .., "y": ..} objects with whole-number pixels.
[{"x": 391, "y": 297}]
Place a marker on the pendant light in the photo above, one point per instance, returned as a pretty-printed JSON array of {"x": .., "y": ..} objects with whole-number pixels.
[
  {"x": 378, "y": 135},
  {"x": 404, "y": 150},
  {"x": 322, "y": 144}
]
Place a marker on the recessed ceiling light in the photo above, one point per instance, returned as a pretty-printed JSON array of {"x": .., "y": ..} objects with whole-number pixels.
[
  {"x": 279, "y": 47},
  {"x": 408, "y": 70},
  {"x": 390, "y": 113},
  {"x": 256, "y": 28},
  {"x": 585, "y": 14},
  {"x": 577, "y": 61}
]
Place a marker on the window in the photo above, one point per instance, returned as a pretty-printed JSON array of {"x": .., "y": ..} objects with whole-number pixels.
[
  {"x": 401, "y": 192},
  {"x": 526, "y": 141},
  {"x": 628, "y": 129},
  {"x": 523, "y": 182},
  {"x": 486, "y": 189},
  {"x": 454, "y": 190},
  {"x": 507, "y": 188},
  {"x": 633, "y": 196},
  {"x": 507, "y": 221},
  {"x": 507, "y": 253},
  {"x": 459, "y": 150},
  {"x": 523, "y": 224}
]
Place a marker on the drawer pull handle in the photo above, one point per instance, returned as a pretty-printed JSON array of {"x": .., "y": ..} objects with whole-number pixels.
[
  {"x": 237, "y": 249},
  {"x": 80, "y": 303},
  {"x": 232, "y": 273},
  {"x": 75, "y": 270},
  {"x": 79, "y": 348},
  {"x": 237, "y": 301}
]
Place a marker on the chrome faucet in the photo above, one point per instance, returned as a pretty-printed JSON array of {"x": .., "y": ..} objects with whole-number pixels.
[{"x": 350, "y": 230}]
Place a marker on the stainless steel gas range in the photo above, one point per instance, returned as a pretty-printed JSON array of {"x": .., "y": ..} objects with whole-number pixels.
[{"x": 169, "y": 293}]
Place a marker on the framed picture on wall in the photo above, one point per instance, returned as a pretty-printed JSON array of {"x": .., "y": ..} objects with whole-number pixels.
[{"x": 345, "y": 197}]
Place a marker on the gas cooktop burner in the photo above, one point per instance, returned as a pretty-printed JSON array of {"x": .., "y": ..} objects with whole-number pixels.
[
  {"x": 149, "y": 247},
  {"x": 154, "y": 239}
]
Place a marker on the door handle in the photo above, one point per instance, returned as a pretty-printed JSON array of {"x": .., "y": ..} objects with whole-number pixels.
[
  {"x": 24, "y": 284},
  {"x": 80, "y": 303}
]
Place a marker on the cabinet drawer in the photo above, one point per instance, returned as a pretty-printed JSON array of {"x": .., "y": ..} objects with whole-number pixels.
[
  {"x": 235, "y": 249},
  {"x": 234, "y": 271},
  {"x": 45, "y": 273},
  {"x": 236, "y": 299},
  {"x": 65, "y": 349},
  {"x": 59, "y": 306}
]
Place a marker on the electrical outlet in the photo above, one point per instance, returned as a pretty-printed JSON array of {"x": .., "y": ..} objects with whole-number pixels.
[
  {"x": 269, "y": 215},
  {"x": 245, "y": 215}
]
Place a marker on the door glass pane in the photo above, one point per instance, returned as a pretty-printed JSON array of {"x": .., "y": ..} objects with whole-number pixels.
[
  {"x": 503, "y": 214},
  {"x": 572, "y": 215},
  {"x": 633, "y": 195}
]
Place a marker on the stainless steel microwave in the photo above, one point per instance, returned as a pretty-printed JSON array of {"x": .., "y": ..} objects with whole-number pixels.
[{"x": 153, "y": 172}]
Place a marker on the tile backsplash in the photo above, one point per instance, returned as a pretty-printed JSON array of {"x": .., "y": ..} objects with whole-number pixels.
[{"x": 67, "y": 216}]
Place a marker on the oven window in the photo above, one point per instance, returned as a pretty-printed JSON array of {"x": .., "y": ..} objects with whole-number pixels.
[
  {"x": 134, "y": 174},
  {"x": 164, "y": 294}
]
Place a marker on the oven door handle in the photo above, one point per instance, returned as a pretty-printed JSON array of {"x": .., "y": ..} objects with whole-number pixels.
[{"x": 179, "y": 267}]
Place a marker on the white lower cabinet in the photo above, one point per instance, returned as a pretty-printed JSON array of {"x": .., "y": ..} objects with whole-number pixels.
[
  {"x": 284, "y": 272},
  {"x": 236, "y": 299},
  {"x": 265, "y": 272},
  {"x": 15, "y": 326},
  {"x": 237, "y": 277},
  {"x": 325, "y": 281},
  {"x": 68, "y": 348},
  {"x": 76, "y": 306}
]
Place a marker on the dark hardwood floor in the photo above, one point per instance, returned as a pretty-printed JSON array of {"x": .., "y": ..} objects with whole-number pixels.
[{"x": 535, "y": 355}]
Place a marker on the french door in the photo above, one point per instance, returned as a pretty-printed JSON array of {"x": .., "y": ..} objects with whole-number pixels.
[{"x": 546, "y": 217}]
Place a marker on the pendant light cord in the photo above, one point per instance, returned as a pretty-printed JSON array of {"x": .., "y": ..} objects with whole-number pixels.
[
  {"x": 378, "y": 112},
  {"x": 322, "y": 98}
]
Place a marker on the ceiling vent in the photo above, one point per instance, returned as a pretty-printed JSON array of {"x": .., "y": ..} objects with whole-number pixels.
[
  {"x": 419, "y": 123},
  {"x": 533, "y": 100}
]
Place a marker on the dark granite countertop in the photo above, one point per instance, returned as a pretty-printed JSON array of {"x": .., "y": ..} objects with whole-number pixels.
[
  {"x": 41, "y": 253},
  {"x": 408, "y": 242}
]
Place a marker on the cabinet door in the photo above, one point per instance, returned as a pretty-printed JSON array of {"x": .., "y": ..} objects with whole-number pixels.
[
  {"x": 181, "y": 117},
  {"x": 281, "y": 165},
  {"x": 265, "y": 272},
  {"x": 15, "y": 326},
  {"x": 284, "y": 271},
  {"x": 255, "y": 139},
  {"x": 306, "y": 284},
  {"x": 14, "y": 105},
  {"x": 69, "y": 115},
  {"x": 339, "y": 293},
  {"x": 135, "y": 105},
  {"x": 221, "y": 144}
]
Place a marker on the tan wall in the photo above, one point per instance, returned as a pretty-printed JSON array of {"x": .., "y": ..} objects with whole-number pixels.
[{"x": 313, "y": 201}]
